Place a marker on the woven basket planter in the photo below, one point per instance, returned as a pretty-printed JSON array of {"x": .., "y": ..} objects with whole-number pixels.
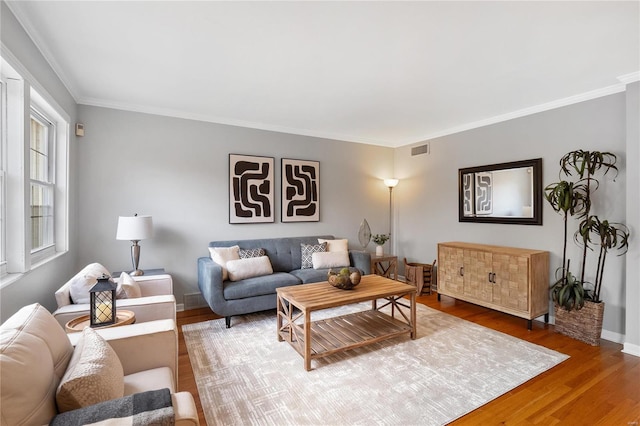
[{"x": 584, "y": 324}]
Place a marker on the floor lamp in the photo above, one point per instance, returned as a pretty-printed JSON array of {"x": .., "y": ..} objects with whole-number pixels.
[{"x": 391, "y": 183}]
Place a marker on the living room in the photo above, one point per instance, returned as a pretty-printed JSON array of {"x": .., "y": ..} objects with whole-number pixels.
[{"x": 132, "y": 160}]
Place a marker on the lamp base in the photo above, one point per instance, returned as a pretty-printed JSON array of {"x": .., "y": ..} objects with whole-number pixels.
[{"x": 136, "y": 273}]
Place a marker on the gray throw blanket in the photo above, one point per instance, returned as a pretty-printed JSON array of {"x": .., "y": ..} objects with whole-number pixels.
[{"x": 144, "y": 408}]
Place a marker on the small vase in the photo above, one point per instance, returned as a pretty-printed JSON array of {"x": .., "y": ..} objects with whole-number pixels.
[{"x": 379, "y": 251}]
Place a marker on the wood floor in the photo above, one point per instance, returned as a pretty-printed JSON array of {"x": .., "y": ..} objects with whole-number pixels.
[{"x": 596, "y": 386}]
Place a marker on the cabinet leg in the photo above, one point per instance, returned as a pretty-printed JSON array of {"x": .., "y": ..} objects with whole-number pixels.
[
  {"x": 438, "y": 297},
  {"x": 529, "y": 324},
  {"x": 546, "y": 318}
]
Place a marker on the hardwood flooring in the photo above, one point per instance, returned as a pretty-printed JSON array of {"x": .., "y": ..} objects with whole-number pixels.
[{"x": 596, "y": 386}]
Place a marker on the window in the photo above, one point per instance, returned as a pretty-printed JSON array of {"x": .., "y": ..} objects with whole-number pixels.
[
  {"x": 34, "y": 132},
  {"x": 41, "y": 164},
  {"x": 3, "y": 178}
]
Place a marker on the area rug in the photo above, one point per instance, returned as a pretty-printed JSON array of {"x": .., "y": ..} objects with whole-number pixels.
[{"x": 245, "y": 376}]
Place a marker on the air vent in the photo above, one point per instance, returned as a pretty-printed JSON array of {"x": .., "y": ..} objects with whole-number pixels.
[
  {"x": 194, "y": 301},
  {"x": 422, "y": 149}
]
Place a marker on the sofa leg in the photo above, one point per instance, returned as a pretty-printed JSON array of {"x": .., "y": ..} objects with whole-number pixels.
[{"x": 227, "y": 321}]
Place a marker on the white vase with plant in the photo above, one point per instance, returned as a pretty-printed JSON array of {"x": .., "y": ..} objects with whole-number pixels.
[{"x": 379, "y": 240}]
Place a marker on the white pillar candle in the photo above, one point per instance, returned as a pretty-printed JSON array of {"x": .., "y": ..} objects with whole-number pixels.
[{"x": 103, "y": 312}]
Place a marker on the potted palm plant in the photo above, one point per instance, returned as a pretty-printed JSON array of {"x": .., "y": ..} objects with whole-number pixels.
[{"x": 579, "y": 309}]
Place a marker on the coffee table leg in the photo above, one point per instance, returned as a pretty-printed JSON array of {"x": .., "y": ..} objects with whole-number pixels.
[
  {"x": 307, "y": 340},
  {"x": 279, "y": 313},
  {"x": 413, "y": 315}
]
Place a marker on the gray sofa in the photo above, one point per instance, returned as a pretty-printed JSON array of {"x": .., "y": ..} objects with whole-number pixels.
[{"x": 228, "y": 298}]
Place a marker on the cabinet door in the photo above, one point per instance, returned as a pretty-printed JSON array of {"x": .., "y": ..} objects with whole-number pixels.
[
  {"x": 450, "y": 266},
  {"x": 477, "y": 270},
  {"x": 511, "y": 287}
]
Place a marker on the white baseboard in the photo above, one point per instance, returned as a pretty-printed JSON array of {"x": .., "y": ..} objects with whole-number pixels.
[
  {"x": 612, "y": 336},
  {"x": 180, "y": 307},
  {"x": 631, "y": 349}
]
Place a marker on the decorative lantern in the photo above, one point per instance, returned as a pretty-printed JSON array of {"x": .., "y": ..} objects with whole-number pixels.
[{"x": 103, "y": 302}]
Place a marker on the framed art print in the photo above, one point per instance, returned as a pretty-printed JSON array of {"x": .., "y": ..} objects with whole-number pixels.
[
  {"x": 300, "y": 190},
  {"x": 484, "y": 193},
  {"x": 251, "y": 181}
]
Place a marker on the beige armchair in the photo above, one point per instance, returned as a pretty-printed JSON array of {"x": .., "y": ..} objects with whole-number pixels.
[
  {"x": 35, "y": 353},
  {"x": 157, "y": 301}
]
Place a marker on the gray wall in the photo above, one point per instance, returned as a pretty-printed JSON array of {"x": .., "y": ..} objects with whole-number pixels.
[
  {"x": 427, "y": 203},
  {"x": 177, "y": 171},
  {"x": 39, "y": 284}
]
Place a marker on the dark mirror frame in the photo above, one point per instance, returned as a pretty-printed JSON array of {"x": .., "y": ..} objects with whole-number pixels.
[{"x": 535, "y": 164}]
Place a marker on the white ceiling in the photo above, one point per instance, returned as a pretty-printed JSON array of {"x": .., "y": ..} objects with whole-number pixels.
[{"x": 386, "y": 73}]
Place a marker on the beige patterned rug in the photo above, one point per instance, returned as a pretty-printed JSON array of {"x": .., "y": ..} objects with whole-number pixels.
[{"x": 245, "y": 376}]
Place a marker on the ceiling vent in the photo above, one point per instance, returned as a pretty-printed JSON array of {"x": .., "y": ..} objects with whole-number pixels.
[{"x": 422, "y": 149}]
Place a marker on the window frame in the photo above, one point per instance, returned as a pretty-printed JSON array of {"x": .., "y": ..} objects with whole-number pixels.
[
  {"x": 23, "y": 95},
  {"x": 47, "y": 249}
]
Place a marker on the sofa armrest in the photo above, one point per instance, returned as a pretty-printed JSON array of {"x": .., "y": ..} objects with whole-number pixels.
[
  {"x": 142, "y": 346},
  {"x": 149, "y": 308},
  {"x": 361, "y": 260},
  {"x": 155, "y": 285},
  {"x": 184, "y": 409},
  {"x": 211, "y": 284}
]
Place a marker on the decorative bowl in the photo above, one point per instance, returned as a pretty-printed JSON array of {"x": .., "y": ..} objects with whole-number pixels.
[{"x": 342, "y": 280}]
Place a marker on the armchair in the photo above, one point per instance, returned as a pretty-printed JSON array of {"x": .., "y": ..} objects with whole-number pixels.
[
  {"x": 157, "y": 301},
  {"x": 36, "y": 353}
]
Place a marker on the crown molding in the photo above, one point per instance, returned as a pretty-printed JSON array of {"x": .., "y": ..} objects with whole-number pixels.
[{"x": 630, "y": 78}]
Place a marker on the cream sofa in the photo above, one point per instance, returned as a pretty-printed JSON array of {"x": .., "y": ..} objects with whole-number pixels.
[
  {"x": 157, "y": 301},
  {"x": 35, "y": 352}
]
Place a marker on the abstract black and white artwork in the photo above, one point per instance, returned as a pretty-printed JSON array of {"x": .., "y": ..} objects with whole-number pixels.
[
  {"x": 300, "y": 190},
  {"x": 484, "y": 193},
  {"x": 467, "y": 193},
  {"x": 251, "y": 181}
]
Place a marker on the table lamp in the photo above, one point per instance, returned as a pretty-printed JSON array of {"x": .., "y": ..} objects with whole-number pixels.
[{"x": 135, "y": 228}]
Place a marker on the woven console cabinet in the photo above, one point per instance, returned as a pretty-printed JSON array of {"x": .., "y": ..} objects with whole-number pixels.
[
  {"x": 584, "y": 324},
  {"x": 511, "y": 280}
]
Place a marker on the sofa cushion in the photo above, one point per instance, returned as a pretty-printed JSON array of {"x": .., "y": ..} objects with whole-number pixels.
[
  {"x": 335, "y": 245},
  {"x": 94, "y": 374},
  {"x": 221, "y": 255},
  {"x": 84, "y": 280},
  {"x": 307, "y": 251},
  {"x": 328, "y": 259},
  {"x": 240, "y": 269},
  {"x": 35, "y": 352},
  {"x": 254, "y": 252},
  {"x": 258, "y": 286},
  {"x": 129, "y": 287}
]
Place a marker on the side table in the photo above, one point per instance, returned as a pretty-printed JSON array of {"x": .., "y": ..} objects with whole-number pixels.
[
  {"x": 147, "y": 272},
  {"x": 123, "y": 317},
  {"x": 384, "y": 265}
]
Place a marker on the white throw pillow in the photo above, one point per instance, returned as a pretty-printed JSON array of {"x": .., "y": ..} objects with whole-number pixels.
[
  {"x": 330, "y": 259},
  {"x": 336, "y": 245},
  {"x": 130, "y": 286},
  {"x": 221, "y": 255},
  {"x": 251, "y": 267},
  {"x": 84, "y": 280},
  {"x": 94, "y": 374}
]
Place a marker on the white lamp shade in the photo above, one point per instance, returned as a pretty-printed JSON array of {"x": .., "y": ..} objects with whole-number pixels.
[
  {"x": 134, "y": 228},
  {"x": 390, "y": 183}
]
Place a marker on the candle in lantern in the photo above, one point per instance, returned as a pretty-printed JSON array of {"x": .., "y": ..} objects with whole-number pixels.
[{"x": 103, "y": 312}]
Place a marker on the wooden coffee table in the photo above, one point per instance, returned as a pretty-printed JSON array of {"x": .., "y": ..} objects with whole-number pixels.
[
  {"x": 123, "y": 317},
  {"x": 315, "y": 339}
]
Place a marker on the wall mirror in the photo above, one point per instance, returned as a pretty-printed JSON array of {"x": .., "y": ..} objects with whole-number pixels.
[{"x": 501, "y": 193}]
